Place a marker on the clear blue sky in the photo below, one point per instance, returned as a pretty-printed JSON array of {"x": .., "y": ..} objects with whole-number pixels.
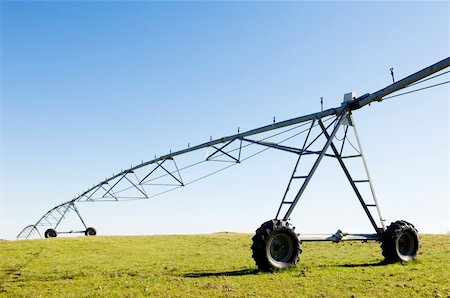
[{"x": 89, "y": 88}]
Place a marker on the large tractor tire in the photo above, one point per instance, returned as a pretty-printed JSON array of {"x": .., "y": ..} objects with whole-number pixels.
[
  {"x": 90, "y": 232},
  {"x": 400, "y": 242},
  {"x": 276, "y": 246},
  {"x": 50, "y": 233}
]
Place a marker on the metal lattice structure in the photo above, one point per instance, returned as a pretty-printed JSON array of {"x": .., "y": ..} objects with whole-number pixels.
[{"x": 274, "y": 245}]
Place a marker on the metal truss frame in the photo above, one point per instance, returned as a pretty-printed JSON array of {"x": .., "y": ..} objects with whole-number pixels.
[
  {"x": 53, "y": 219},
  {"x": 106, "y": 190},
  {"x": 132, "y": 186}
]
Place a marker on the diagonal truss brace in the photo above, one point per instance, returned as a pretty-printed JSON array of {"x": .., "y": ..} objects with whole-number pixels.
[
  {"x": 100, "y": 186},
  {"x": 221, "y": 150},
  {"x": 124, "y": 176},
  {"x": 63, "y": 214},
  {"x": 275, "y": 146},
  {"x": 160, "y": 165},
  {"x": 294, "y": 150}
]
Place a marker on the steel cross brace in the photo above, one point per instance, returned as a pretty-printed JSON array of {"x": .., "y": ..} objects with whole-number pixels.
[
  {"x": 110, "y": 190},
  {"x": 160, "y": 165},
  {"x": 220, "y": 149},
  {"x": 93, "y": 191},
  {"x": 63, "y": 214},
  {"x": 294, "y": 150}
]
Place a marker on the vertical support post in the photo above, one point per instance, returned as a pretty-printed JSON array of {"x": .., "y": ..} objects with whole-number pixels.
[{"x": 317, "y": 162}]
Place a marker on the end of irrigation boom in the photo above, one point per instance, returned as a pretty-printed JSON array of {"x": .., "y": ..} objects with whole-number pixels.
[{"x": 276, "y": 245}]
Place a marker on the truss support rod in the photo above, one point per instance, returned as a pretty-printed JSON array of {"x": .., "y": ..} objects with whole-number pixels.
[
  {"x": 136, "y": 187},
  {"x": 158, "y": 165},
  {"x": 110, "y": 190},
  {"x": 286, "y": 148},
  {"x": 276, "y": 146},
  {"x": 31, "y": 231},
  {"x": 178, "y": 180},
  {"x": 62, "y": 215},
  {"x": 225, "y": 153},
  {"x": 350, "y": 179},
  {"x": 316, "y": 163},
  {"x": 100, "y": 186}
]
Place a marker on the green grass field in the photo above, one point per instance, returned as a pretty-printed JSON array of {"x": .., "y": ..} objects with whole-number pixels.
[{"x": 216, "y": 265}]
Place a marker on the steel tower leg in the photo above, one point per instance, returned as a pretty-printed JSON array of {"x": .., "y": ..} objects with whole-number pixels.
[
  {"x": 341, "y": 118},
  {"x": 366, "y": 168},
  {"x": 79, "y": 215},
  {"x": 347, "y": 120},
  {"x": 353, "y": 183}
]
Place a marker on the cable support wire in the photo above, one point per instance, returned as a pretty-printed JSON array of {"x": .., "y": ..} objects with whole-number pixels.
[
  {"x": 339, "y": 140},
  {"x": 430, "y": 78},
  {"x": 345, "y": 138},
  {"x": 352, "y": 145},
  {"x": 416, "y": 90}
]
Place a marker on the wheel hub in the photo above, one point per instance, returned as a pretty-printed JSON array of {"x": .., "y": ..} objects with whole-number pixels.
[
  {"x": 281, "y": 248},
  {"x": 406, "y": 244}
]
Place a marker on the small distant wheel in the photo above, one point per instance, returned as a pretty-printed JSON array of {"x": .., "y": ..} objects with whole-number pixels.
[
  {"x": 400, "y": 242},
  {"x": 275, "y": 246},
  {"x": 50, "y": 233},
  {"x": 90, "y": 232}
]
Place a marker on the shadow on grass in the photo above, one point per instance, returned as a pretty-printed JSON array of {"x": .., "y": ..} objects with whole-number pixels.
[
  {"x": 242, "y": 272},
  {"x": 382, "y": 263},
  {"x": 224, "y": 273}
]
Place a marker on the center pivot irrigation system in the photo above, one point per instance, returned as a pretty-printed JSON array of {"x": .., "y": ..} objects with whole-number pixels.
[{"x": 330, "y": 133}]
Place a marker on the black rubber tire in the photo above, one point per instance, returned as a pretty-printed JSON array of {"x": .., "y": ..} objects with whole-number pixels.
[
  {"x": 275, "y": 246},
  {"x": 90, "y": 232},
  {"x": 50, "y": 233},
  {"x": 400, "y": 242}
]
